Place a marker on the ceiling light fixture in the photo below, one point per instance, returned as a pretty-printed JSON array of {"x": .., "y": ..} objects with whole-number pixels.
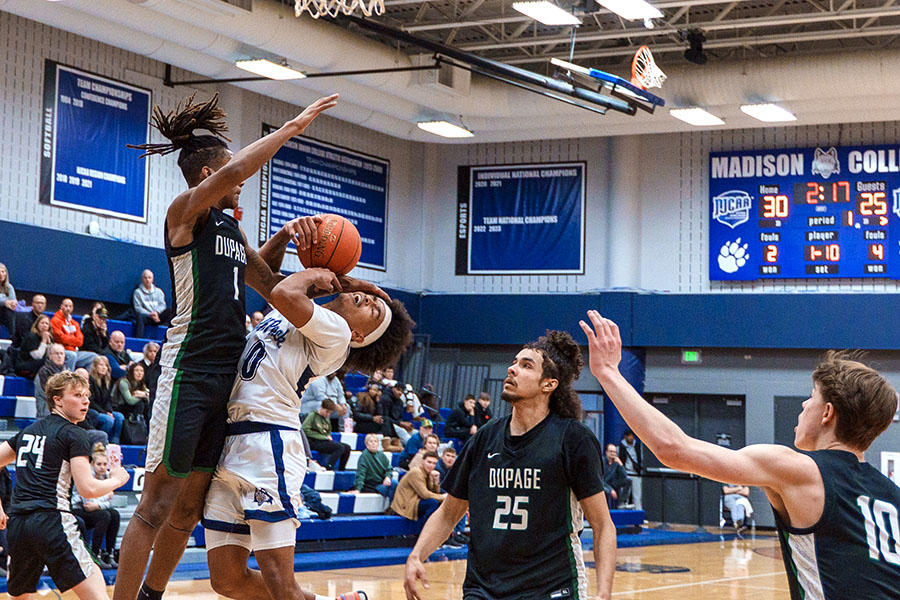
[
  {"x": 267, "y": 68},
  {"x": 445, "y": 129},
  {"x": 695, "y": 53},
  {"x": 631, "y": 9},
  {"x": 768, "y": 113},
  {"x": 696, "y": 116},
  {"x": 546, "y": 12}
]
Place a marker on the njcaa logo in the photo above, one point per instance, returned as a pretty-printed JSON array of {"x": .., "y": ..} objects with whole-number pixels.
[
  {"x": 261, "y": 497},
  {"x": 897, "y": 202},
  {"x": 732, "y": 208},
  {"x": 825, "y": 163}
]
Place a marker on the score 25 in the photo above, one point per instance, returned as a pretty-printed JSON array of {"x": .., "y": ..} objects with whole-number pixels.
[{"x": 872, "y": 203}]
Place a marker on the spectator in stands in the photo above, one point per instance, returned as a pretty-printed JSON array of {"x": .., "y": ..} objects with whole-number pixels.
[
  {"x": 317, "y": 427},
  {"x": 415, "y": 443},
  {"x": 430, "y": 402},
  {"x": 132, "y": 394},
  {"x": 98, "y": 514},
  {"x": 90, "y": 423},
  {"x": 373, "y": 472},
  {"x": 318, "y": 390},
  {"x": 96, "y": 338},
  {"x": 448, "y": 457},
  {"x": 387, "y": 379},
  {"x": 430, "y": 444},
  {"x": 54, "y": 363},
  {"x": 7, "y": 302},
  {"x": 630, "y": 455},
  {"x": 24, "y": 320},
  {"x": 149, "y": 304},
  {"x": 100, "y": 380},
  {"x": 417, "y": 495},
  {"x": 118, "y": 356},
  {"x": 615, "y": 480},
  {"x": 736, "y": 499},
  {"x": 392, "y": 406},
  {"x": 461, "y": 422},
  {"x": 151, "y": 368},
  {"x": 67, "y": 332},
  {"x": 255, "y": 319},
  {"x": 483, "y": 410},
  {"x": 367, "y": 411},
  {"x": 34, "y": 348}
]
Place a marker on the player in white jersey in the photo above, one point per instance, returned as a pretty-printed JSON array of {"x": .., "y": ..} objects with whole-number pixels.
[{"x": 255, "y": 491}]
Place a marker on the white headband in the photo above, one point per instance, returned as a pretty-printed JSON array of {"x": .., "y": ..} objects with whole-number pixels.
[{"x": 379, "y": 331}]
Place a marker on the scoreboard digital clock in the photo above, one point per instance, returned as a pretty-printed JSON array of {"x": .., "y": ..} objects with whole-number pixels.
[{"x": 805, "y": 213}]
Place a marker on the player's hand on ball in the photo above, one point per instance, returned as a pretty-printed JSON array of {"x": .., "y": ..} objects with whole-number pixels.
[
  {"x": 604, "y": 343},
  {"x": 303, "y": 231},
  {"x": 415, "y": 572},
  {"x": 302, "y": 121},
  {"x": 352, "y": 284},
  {"x": 322, "y": 282}
]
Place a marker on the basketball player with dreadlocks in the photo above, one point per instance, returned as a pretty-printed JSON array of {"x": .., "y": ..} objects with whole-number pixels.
[
  {"x": 528, "y": 481},
  {"x": 208, "y": 255}
]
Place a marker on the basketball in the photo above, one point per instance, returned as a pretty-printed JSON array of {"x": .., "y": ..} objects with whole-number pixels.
[{"x": 338, "y": 246}]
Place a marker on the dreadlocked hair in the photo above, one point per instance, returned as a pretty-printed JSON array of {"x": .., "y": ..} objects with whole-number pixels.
[
  {"x": 386, "y": 350},
  {"x": 178, "y": 126},
  {"x": 563, "y": 362}
]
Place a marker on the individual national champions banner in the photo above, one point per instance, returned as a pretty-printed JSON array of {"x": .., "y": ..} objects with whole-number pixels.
[
  {"x": 87, "y": 122},
  {"x": 521, "y": 219}
]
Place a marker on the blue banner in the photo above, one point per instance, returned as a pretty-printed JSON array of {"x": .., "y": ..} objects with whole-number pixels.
[
  {"x": 307, "y": 177},
  {"x": 521, "y": 219},
  {"x": 829, "y": 212},
  {"x": 85, "y": 165}
]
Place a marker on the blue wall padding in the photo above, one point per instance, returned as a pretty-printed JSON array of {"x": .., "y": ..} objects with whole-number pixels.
[{"x": 633, "y": 368}]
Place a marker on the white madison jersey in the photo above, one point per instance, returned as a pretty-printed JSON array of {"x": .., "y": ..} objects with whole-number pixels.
[{"x": 275, "y": 356}]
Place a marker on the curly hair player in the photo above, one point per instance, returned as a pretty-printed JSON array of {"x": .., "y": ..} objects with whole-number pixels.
[
  {"x": 528, "y": 480},
  {"x": 836, "y": 514}
]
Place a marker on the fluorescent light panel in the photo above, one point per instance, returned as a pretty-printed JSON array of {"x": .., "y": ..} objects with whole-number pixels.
[
  {"x": 546, "y": 12},
  {"x": 768, "y": 113},
  {"x": 445, "y": 129},
  {"x": 696, "y": 116},
  {"x": 631, "y": 9},
  {"x": 267, "y": 68}
]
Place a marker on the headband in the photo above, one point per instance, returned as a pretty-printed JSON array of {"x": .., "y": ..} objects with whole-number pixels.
[{"x": 379, "y": 331}]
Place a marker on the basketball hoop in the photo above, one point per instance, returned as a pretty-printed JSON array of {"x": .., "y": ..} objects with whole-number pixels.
[
  {"x": 332, "y": 8},
  {"x": 644, "y": 71}
]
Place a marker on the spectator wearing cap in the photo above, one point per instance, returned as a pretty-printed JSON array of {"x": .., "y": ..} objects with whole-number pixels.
[
  {"x": 149, "y": 304},
  {"x": 24, "y": 320},
  {"x": 93, "y": 328},
  {"x": 415, "y": 442},
  {"x": 483, "y": 410}
]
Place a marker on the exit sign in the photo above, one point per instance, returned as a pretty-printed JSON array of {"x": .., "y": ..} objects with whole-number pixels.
[{"x": 690, "y": 357}]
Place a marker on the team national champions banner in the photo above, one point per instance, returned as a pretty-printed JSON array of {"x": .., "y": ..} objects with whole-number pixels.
[
  {"x": 87, "y": 121},
  {"x": 307, "y": 177},
  {"x": 521, "y": 219}
]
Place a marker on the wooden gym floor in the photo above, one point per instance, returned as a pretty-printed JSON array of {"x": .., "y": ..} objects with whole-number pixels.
[{"x": 749, "y": 569}]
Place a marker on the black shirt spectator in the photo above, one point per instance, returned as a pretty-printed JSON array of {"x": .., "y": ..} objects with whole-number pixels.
[
  {"x": 118, "y": 356},
  {"x": 483, "y": 410},
  {"x": 55, "y": 363},
  {"x": 461, "y": 422},
  {"x": 102, "y": 388},
  {"x": 152, "y": 368},
  {"x": 24, "y": 320},
  {"x": 7, "y": 302},
  {"x": 96, "y": 338},
  {"x": 367, "y": 412},
  {"x": 33, "y": 351}
]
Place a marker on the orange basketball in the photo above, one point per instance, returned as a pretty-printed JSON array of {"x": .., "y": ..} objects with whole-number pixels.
[{"x": 338, "y": 247}]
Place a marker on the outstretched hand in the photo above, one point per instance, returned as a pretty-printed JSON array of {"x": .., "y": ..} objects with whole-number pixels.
[
  {"x": 322, "y": 282},
  {"x": 351, "y": 284},
  {"x": 604, "y": 344},
  {"x": 415, "y": 572},
  {"x": 302, "y": 121},
  {"x": 304, "y": 231}
]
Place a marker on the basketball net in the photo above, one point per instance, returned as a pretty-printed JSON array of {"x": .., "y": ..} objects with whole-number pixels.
[
  {"x": 644, "y": 72},
  {"x": 332, "y": 8}
]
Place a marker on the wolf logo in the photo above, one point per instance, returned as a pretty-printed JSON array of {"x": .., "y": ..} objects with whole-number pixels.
[
  {"x": 261, "y": 497},
  {"x": 732, "y": 207},
  {"x": 825, "y": 163}
]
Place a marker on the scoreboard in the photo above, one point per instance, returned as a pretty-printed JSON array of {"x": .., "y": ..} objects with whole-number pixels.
[{"x": 805, "y": 213}]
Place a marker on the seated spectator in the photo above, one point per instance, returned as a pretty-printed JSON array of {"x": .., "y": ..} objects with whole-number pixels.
[
  {"x": 461, "y": 422},
  {"x": 24, "y": 320},
  {"x": 429, "y": 445},
  {"x": 91, "y": 419},
  {"x": 53, "y": 364},
  {"x": 319, "y": 389},
  {"x": 118, "y": 356},
  {"x": 131, "y": 395},
  {"x": 96, "y": 338},
  {"x": 417, "y": 495},
  {"x": 387, "y": 379},
  {"x": 392, "y": 407},
  {"x": 98, "y": 514},
  {"x": 108, "y": 420},
  {"x": 616, "y": 482},
  {"x": 34, "y": 348},
  {"x": 149, "y": 304},
  {"x": 152, "y": 368},
  {"x": 430, "y": 402},
  {"x": 373, "y": 472},
  {"x": 483, "y": 410},
  {"x": 415, "y": 443},
  {"x": 367, "y": 411},
  {"x": 8, "y": 302},
  {"x": 448, "y": 457},
  {"x": 255, "y": 319},
  {"x": 67, "y": 332},
  {"x": 737, "y": 500},
  {"x": 317, "y": 426}
]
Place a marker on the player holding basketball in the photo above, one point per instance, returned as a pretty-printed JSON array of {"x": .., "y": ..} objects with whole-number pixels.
[
  {"x": 255, "y": 492},
  {"x": 208, "y": 254},
  {"x": 836, "y": 514},
  {"x": 528, "y": 481}
]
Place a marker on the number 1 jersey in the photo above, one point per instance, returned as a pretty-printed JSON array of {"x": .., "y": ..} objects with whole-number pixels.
[{"x": 525, "y": 515}]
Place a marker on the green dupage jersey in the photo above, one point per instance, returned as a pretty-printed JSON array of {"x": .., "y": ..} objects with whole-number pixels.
[
  {"x": 853, "y": 552},
  {"x": 208, "y": 329},
  {"x": 524, "y": 510}
]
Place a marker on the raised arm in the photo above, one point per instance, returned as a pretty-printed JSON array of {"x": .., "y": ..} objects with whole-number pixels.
[
  {"x": 303, "y": 231},
  {"x": 292, "y": 297}
]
